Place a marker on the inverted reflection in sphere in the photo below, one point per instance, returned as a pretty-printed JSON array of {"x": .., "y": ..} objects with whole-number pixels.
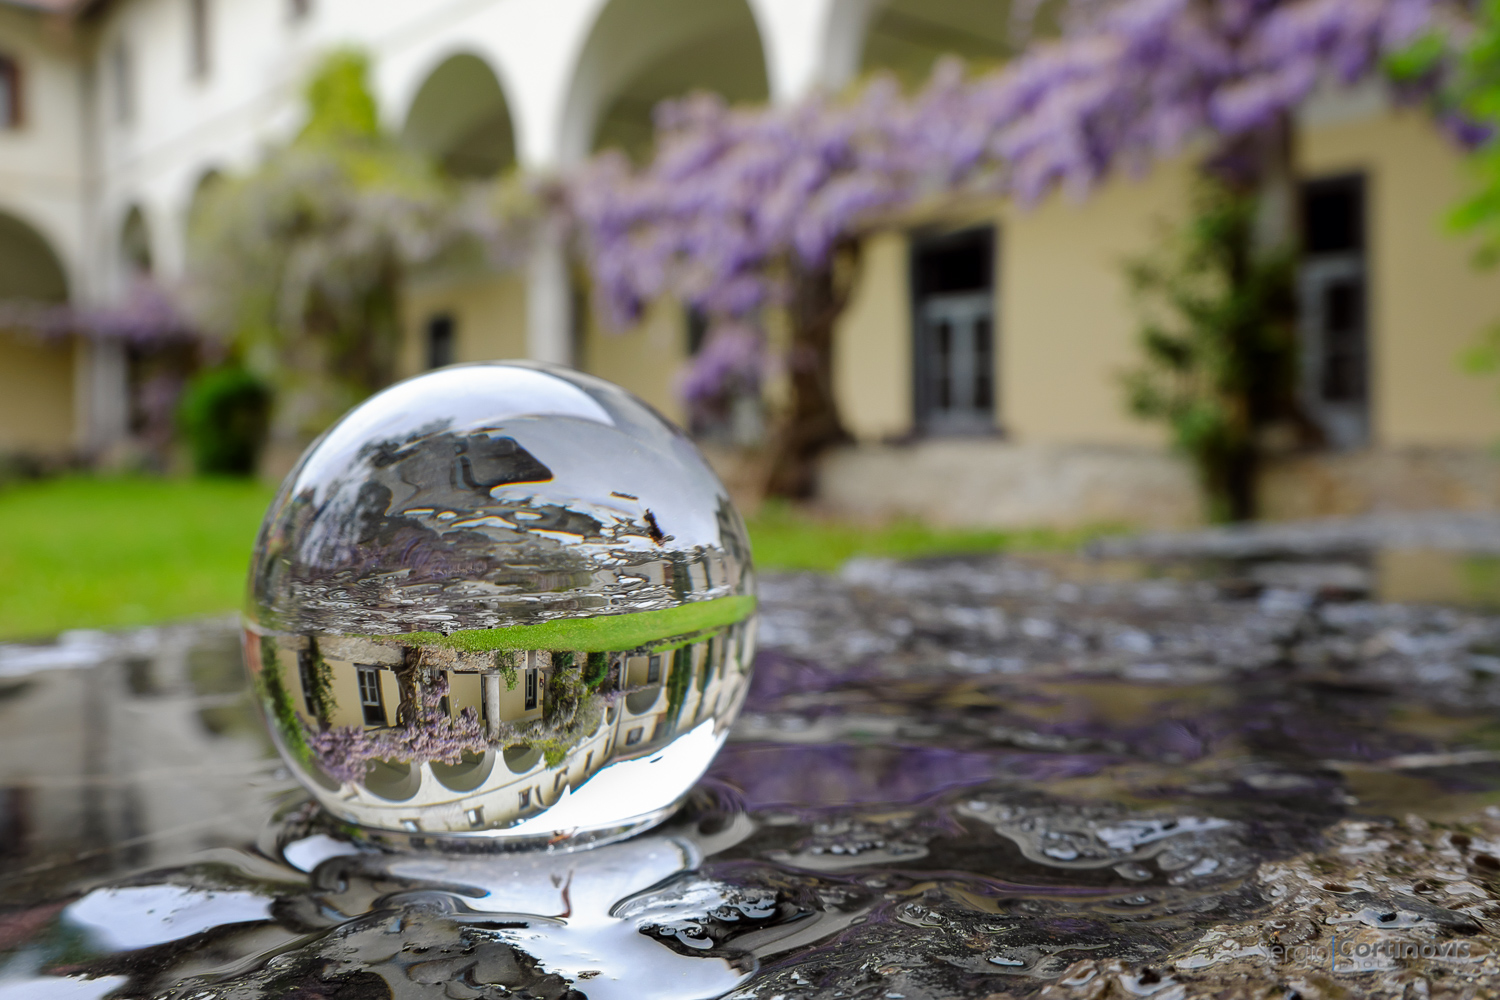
[{"x": 504, "y": 599}]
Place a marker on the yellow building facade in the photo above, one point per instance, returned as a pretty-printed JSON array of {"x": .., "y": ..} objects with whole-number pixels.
[
  {"x": 1060, "y": 447},
  {"x": 1055, "y": 445},
  {"x": 354, "y": 683},
  {"x": 94, "y": 188}
]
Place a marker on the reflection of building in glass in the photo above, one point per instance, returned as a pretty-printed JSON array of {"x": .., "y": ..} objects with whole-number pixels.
[
  {"x": 550, "y": 719},
  {"x": 371, "y": 702},
  {"x": 417, "y": 522}
]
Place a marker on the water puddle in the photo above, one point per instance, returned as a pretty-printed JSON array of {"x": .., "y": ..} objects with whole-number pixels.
[{"x": 958, "y": 778}]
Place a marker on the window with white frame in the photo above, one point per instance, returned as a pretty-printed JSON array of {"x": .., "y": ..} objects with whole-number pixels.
[
  {"x": 533, "y": 694},
  {"x": 370, "y": 699},
  {"x": 1332, "y": 282},
  {"x": 953, "y": 305}
]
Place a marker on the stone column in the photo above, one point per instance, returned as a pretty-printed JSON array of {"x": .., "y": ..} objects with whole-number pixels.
[
  {"x": 102, "y": 405},
  {"x": 811, "y": 44},
  {"x": 489, "y": 689},
  {"x": 549, "y": 302}
]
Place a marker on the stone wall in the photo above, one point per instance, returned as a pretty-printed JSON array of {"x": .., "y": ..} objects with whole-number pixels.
[
  {"x": 990, "y": 482},
  {"x": 1381, "y": 480},
  {"x": 996, "y": 483}
]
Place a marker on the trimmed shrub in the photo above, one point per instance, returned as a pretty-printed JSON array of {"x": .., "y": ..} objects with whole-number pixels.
[{"x": 223, "y": 415}]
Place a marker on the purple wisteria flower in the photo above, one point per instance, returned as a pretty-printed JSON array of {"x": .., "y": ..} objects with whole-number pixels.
[
  {"x": 147, "y": 314},
  {"x": 736, "y": 199},
  {"x": 430, "y": 736}
]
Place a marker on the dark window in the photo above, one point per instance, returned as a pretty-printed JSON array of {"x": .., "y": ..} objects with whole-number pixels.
[
  {"x": 200, "y": 53},
  {"x": 440, "y": 336},
  {"x": 954, "y": 309},
  {"x": 958, "y": 262},
  {"x": 653, "y": 670},
  {"x": 525, "y": 798},
  {"x": 10, "y": 93},
  {"x": 369, "y": 696},
  {"x": 531, "y": 689},
  {"x": 308, "y": 674},
  {"x": 1343, "y": 375},
  {"x": 17, "y": 820},
  {"x": 697, "y": 330},
  {"x": 1332, "y": 294},
  {"x": 634, "y": 736},
  {"x": 1333, "y": 216}
]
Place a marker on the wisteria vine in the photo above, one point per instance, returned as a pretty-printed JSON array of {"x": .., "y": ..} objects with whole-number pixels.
[{"x": 737, "y": 198}]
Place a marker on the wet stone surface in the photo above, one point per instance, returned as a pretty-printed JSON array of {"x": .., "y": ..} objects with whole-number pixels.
[{"x": 967, "y": 778}]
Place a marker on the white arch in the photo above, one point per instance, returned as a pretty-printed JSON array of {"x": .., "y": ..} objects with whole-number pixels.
[
  {"x": 199, "y": 181},
  {"x": 532, "y": 50},
  {"x": 843, "y": 42},
  {"x": 615, "y": 53},
  {"x": 457, "y": 118},
  {"x": 161, "y": 243},
  {"x": 133, "y": 237},
  {"x": 811, "y": 44},
  {"x": 46, "y": 233},
  {"x": 555, "y": 89},
  {"x": 407, "y": 88}
]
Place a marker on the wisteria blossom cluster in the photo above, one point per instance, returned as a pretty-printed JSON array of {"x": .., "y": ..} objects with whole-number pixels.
[
  {"x": 737, "y": 199},
  {"x": 147, "y": 314},
  {"x": 430, "y": 736}
]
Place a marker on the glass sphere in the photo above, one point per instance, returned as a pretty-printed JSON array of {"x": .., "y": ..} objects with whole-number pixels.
[{"x": 505, "y": 600}]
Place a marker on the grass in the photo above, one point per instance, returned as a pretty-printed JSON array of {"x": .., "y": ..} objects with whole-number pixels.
[
  {"x": 595, "y": 635},
  {"x": 81, "y": 552},
  {"x": 787, "y": 539},
  {"x": 112, "y": 552}
]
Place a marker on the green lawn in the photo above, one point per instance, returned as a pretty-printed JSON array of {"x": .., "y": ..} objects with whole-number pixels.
[
  {"x": 83, "y": 552},
  {"x": 785, "y": 538},
  {"x": 596, "y": 635}
]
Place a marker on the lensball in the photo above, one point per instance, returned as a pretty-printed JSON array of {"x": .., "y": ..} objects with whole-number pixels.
[{"x": 503, "y": 600}]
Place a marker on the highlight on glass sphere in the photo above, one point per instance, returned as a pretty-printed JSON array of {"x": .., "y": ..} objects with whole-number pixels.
[{"x": 503, "y": 599}]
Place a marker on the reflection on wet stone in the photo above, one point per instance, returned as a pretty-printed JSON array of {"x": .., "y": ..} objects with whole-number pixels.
[
  {"x": 468, "y": 618},
  {"x": 959, "y": 778}
]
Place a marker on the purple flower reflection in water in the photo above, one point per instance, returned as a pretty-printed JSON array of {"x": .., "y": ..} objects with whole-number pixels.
[
  {"x": 777, "y": 676},
  {"x": 843, "y": 774}
]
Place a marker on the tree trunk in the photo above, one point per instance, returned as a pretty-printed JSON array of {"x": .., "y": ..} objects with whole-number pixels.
[
  {"x": 812, "y": 424},
  {"x": 1260, "y": 166}
]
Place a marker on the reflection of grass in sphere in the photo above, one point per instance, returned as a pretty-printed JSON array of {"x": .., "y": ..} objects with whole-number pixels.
[{"x": 598, "y": 634}]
